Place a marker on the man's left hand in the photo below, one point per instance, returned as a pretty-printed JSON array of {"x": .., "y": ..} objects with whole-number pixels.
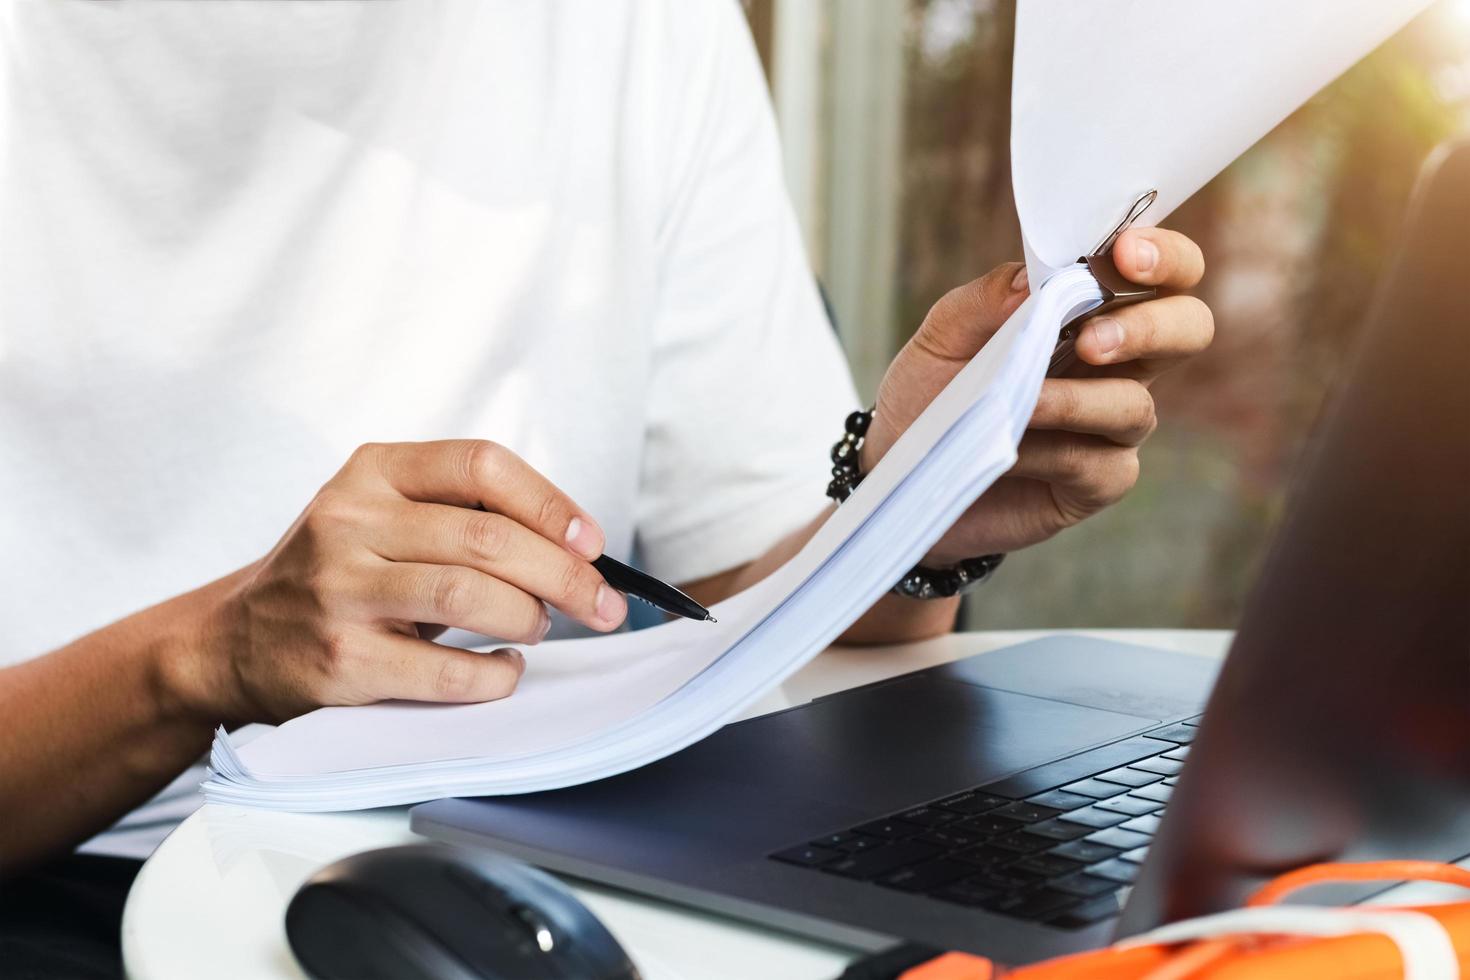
[{"x": 1080, "y": 453}]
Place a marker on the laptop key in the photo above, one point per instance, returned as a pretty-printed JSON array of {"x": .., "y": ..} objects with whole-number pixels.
[
  {"x": 1084, "y": 885},
  {"x": 1143, "y": 825},
  {"x": 1171, "y": 780},
  {"x": 1136, "y": 855},
  {"x": 1060, "y": 799},
  {"x": 950, "y": 839},
  {"x": 1161, "y": 765},
  {"x": 1058, "y": 830},
  {"x": 1025, "y": 812},
  {"x": 1129, "y": 805},
  {"x": 1046, "y": 865},
  {"x": 928, "y": 816},
  {"x": 927, "y": 876},
  {"x": 1009, "y": 878},
  {"x": 890, "y": 828},
  {"x": 807, "y": 855},
  {"x": 985, "y": 856},
  {"x": 1094, "y": 817},
  {"x": 1087, "y": 913},
  {"x": 1158, "y": 793},
  {"x": 1123, "y": 872},
  {"x": 881, "y": 860},
  {"x": 988, "y": 825},
  {"x": 1035, "y": 905},
  {"x": 1022, "y": 843},
  {"x": 970, "y": 802},
  {"x": 1182, "y": 733},
  {"x": 1129, "y": 777},
  {"x": 1073, "y": 768},
  {"x": 1085, "y": 851},
  {"x": 842, "y": 841},
  {"x": 860, "y": 843},
  {"x": 966, "y": 893},
  {"x": 1179, "y": 754},
  {"x": 1123, "y": 840},
  {"x": 1095, "y": 788}
]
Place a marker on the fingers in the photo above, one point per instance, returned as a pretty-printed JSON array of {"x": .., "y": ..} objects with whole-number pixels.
[
  {"x": 451, "y": 595},
  {"x": 966, "y": 317},
  {"x": 405, "y": 668},
  {"x": 1158, "y": 257},
  {"x": 477, "y": 473},
  {"x": 1155, "y": 334},
  {"x": 1014, "y": 513},
  {"x": 1118, "y": 409},
  {"x": 500, "y": 547},
  {"x": 1085, "y": 473}
]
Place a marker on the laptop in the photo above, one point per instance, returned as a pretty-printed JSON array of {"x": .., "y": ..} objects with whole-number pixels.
[{"x": 1046, "y": 798}]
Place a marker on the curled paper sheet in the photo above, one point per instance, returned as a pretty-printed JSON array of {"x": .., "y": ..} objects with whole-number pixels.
[{"x": 1112, "y": 98}]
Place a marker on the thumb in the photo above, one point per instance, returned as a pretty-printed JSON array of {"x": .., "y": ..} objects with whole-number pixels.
[
  {"x": 967, "y": 316},
  {"x": 954, "y": 331}
]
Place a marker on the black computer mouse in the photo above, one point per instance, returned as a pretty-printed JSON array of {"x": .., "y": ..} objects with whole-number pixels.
[{"x": 435, "y": 912}]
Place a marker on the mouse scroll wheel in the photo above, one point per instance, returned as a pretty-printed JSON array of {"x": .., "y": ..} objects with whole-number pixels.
[{"x": 536, "y": 927}]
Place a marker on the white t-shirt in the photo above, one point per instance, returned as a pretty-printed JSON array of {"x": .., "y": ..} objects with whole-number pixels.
[{"x": 239, "y": 239}]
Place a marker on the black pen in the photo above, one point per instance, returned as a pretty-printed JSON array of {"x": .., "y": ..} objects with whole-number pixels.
[{"x": 661, "y": 595}]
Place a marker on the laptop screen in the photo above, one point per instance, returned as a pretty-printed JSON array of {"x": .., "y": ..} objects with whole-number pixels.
[{"x": 1339, "y": 728}]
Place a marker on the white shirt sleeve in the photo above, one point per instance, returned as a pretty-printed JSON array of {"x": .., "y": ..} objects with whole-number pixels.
[{"x": 749, "y": 387}]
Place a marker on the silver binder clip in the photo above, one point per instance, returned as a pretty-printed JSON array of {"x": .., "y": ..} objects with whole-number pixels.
[
  {"x": 1144, "y": 202},
  {"x": 1117, "y": 291}
]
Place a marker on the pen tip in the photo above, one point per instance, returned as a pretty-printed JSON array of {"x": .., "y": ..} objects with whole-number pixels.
[{"x": 710, "y": 619}]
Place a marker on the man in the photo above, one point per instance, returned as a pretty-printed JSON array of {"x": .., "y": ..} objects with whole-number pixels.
[{"x": 487, "y": 289}]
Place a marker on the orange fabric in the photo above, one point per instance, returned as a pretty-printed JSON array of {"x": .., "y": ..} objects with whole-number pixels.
[
  {"x": 1102, "y": 964},
  {"x": 1279, "y": 887},
  {"x": 951, "y": 966},
  {"x": 1365, "y": 956},
  {"x": 1362, "y": 956},
  {"x": 1189, "y": 961}
]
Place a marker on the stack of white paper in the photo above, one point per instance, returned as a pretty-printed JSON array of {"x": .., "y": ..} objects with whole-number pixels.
[
  {"x": 1110, "y": 98},
  {"x": 595, "y": 707}
]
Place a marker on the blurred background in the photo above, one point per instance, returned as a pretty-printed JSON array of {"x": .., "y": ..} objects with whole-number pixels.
[{"x": 895, "y": 118}]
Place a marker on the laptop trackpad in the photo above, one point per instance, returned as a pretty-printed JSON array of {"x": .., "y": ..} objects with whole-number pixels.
[{"x": 910, "y": 741}]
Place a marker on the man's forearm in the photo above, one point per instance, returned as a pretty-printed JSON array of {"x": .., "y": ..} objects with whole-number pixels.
[
  {"x": 892, "y": 619},
  {"x": 95, "y": 728}
]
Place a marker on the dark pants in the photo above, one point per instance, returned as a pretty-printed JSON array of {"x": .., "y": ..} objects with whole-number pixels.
[{"x": 64, "y": 921}]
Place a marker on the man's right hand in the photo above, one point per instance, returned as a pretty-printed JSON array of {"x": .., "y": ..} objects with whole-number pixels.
[{"x": 405, "y": 540}]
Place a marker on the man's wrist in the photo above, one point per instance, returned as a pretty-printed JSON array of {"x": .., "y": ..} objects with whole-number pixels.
[
  {"x": 898, "y": 619},
  {"x": 193, "y": 678},
  {"x": 938, "y": 574}
]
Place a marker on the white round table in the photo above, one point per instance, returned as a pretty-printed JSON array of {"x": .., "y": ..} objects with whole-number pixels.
[{"x": 211, "y": 901}]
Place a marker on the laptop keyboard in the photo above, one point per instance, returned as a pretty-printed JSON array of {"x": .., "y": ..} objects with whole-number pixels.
[{"x": 1058, "y": 844}]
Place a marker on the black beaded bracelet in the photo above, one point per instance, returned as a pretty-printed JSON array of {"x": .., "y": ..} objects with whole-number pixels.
[{"x": 921, "y": 582}]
